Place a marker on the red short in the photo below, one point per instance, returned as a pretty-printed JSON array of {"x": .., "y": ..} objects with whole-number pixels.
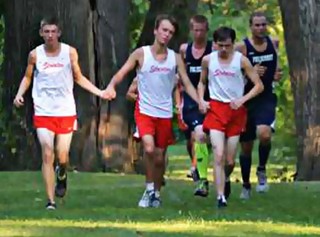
[
  {"x": 223, "y": 118},
  {"x": 58, "y": 125},
  {"x": 159, "y": 128}
]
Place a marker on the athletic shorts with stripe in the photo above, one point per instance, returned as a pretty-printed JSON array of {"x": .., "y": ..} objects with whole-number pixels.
[
  {"x": 58, "y": 125},
  {"x": 222, "y": 117},
  {"x": 160, "y": 128}
]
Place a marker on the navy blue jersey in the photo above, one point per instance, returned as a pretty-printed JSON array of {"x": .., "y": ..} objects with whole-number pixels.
[
  {"x": 193, "y": 71},
  {"x": 268, "y": 59}
]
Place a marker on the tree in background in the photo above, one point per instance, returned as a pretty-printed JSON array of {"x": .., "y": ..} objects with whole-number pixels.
[{"x": 302, "y": 34}]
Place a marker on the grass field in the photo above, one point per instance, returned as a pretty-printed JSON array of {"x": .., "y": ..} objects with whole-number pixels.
[{"x": 100, "y": 204}]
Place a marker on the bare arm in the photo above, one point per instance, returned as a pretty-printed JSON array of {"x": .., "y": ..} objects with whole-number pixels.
[
  {"x": 202, "y": 82},
  {"x": 78, "y": 77},
  {"x": 278, "y": 73},
  {"x": 26, "y": 80},
  {"x": 253, "y": 77},
  {"x": 203, "y": 77},
  {"x": 185, "y": 79},
  {"x": 177, "y": 94},
  {"x": 129, "y": 65},
  {"x": 182, "y": 50},
  {"x": 132, "y": 93}
]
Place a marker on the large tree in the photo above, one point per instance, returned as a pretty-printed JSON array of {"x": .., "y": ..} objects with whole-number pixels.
[{"x": 302, "y": 34}]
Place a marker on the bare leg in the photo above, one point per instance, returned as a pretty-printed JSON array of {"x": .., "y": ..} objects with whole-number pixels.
[
  {"x": 46, "y": 139},
  {"x": 63, "y": 147},
  {"x": 149, "y": 151},
  {"x": 218, "y": 145},
  {"x": 159, "y": 164}
]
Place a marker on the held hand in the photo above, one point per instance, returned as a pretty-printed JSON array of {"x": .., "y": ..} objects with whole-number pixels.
[
  {"x": 179, "y": 108},
  {"x": 204, "y": 106},
  {"x": 278, "y": 74},
  {"x": 236, "y": 104},
  {"x": 260, "y": 69},
  {"x": 18, "y": 101},
  {"x": 109, "y": 93}
]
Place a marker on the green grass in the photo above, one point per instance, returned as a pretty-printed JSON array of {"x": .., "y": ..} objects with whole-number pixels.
[{"x": 101, "y": 204}]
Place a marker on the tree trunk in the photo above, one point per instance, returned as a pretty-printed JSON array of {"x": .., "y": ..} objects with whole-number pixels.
[
  {"x": 112, "y": 43},
  {"x": 86, "y": 25},
  {"x": 302, "y": 34}
]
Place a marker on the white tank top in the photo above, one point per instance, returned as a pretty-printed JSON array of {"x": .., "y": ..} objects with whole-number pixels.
[
  {"x": 155, "y": 84},
  {"x": 52, "y": 90},
  {"x": 226, "y": 82}
]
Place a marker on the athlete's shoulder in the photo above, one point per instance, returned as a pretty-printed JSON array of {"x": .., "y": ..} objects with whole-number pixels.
[
  {"x": 138, "y": 53},
  {"x": 73, "y": 50},
  {"x": 245, "y": 62},
  {"x": 206, "y": 58},
  {"x": 241, "y": 47},
  {"x": 183, "y": 48},
  {"x": 32, "y": 58},
  {"x": 140, "y": 50}
]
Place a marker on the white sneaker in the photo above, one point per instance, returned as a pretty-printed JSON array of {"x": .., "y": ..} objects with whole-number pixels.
[
  {"x": 262, "y": 188},
  {"x": 245, "y": 194},
  {"x": 262, "y": 185},
  {"x": 145, "y": 199}
]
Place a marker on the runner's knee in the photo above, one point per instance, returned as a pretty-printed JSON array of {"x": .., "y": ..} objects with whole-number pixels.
[
  {"x": 63, "y": 156},
  {"x": 265, "y": 136},
  {"x": 47, "y": 154}
]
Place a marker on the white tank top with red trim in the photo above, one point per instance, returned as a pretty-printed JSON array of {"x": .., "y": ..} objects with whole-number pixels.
[
  {"x": 156, "y": 81},
  {"x": 226, "y": 82},
  {"x": 53, "y": 81}
]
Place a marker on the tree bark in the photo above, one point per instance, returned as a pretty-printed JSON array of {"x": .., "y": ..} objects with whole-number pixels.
[
  {"x": 112, "y": 45},
  {"x": 300, "y": 21}
]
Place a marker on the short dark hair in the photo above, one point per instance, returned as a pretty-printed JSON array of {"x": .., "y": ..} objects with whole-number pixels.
[
  {"x": 170, "y": 18},
  {"x": 52, "y": 20},
  {"x": 256, "y": 14},
  {"x": 201, "y": 19},
  {"x": 223, "y": 33}
]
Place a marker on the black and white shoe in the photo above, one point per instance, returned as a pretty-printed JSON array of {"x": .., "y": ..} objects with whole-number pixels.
[
  {"x": 61, "y": 183},
  {"x": 222, "y": 202},
  {"x": 51, "y": 206},
  {"x": 155, "y": 200}
]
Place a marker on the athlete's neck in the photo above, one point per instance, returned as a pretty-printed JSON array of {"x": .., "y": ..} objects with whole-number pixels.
[
  {"x": 52, "y": 48},
  {"x": 225, "y": 56},
  {"x": 199, "y": 44},
  {"x": 258, "y": 40},
  {"x": 157, "y": 48}
]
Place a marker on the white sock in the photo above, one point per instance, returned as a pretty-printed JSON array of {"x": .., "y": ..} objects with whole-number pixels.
[{"x": 150, "y": 186}]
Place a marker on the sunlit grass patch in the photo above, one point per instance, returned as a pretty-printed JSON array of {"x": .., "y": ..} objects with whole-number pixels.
[{"x": 201, "y": 228}]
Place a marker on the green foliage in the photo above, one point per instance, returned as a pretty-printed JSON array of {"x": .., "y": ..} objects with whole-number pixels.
[{"x": 138, "y": 12}]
